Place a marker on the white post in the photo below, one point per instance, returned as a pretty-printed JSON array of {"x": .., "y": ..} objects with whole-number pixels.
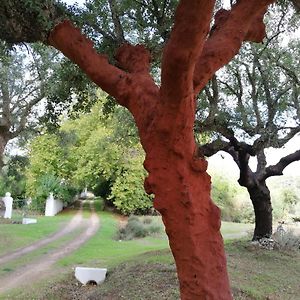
[
  {"x": 52, "y": 206},
  {"x": 49, "y": 211},
  {"x": 8, "y": 201}
]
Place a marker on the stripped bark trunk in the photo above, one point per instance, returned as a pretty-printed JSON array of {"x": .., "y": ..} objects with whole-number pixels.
[
  {"x": 261, "y": 201},
  {"x": 182, "y": 196}
]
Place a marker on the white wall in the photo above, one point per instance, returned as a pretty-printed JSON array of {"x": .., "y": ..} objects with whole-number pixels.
[{"x": 53, "y": 206}]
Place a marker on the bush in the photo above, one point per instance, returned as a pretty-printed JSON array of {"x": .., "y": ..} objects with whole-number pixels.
[
  {"x": 127, "y": 193},
  {"x": 223, "y": 194},
  {"x": 138, "y": 228},
  {"x": 286, "y": 240},
  {"x": 46, "y": 184},
  {"x": 285, "y": 197}
]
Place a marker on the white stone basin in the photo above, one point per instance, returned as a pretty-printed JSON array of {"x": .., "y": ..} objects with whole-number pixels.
[
  {"x": 29, "y": 221},
  {"x": 85, "y": 275}
]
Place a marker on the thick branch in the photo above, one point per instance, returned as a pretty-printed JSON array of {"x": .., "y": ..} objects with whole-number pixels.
[
  {"x": 116, "y": 20},
  {"x": 243, "y": 23},
  {"x": 239, "y": 155},
  {"x": 261, "y": 161},
  {"x": 68, "y": 39},
  {"x": 134, "y": 59},
  {"x": 277, "y": 169},
  {"x": 212, "y": 148},
  {"x": 180, "y": 55}
]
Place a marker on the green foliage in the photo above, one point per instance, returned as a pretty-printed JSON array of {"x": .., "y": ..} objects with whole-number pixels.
[
  {"x": 138, "y": 227},
  {"x": 49, "y": 183},
  {"x": 97, "y": 150},
  {"x": 141, "y": 23},
  {"x": 127, "y": 191},
  {"x": 230, "y": 199},
  {"x": 223, "y": 194},
  {"x": 12, "y": 178},
  {"x": 47, "y": 171},
  {"x": 289, "y": 196}
]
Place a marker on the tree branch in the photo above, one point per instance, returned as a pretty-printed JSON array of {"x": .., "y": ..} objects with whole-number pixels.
[
  {"x": 254, "y": 95},
  {"x": 116, "y": 20},
  {"x": 191, "y": 27},
  {"x": 213, "y": 99},
  {"x": 244, "y": 22},
  {"x": 24, "y": 116},
  {"x": 134, "y": 59},
  {"x": 212, "y": 148},
  {"x": 271, "y": 103},
  {"x": 261, "y": 162},
  {"x": 69, "y": 40},
  {"x": 276, "y": 170}
]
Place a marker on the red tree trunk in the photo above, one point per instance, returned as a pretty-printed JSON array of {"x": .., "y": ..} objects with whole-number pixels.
[
  {"x": 165, "y": 117},
  {"x": 182, "y": 196}
]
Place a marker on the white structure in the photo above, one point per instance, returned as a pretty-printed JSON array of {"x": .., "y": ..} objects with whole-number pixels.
[
  {"x": 28, "y": 201},
  {"x": 52, "y": 206},
  {"x": 27, "y": 221},
  {"x": 8, "y": 202},
  {"x": 86, "y": 275}
]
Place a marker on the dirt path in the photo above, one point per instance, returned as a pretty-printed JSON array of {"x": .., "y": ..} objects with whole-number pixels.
[
  {"x": 41, "y": 267},
  {"x": 71, "y": 226}
]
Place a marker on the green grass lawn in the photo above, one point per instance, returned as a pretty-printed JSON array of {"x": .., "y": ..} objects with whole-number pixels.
[
  {"x": 104, "y": 250},
  {"x": 254, "y": 274},
  {"x": 14, "y": 236},
  {"x": 232, "y": 230}
]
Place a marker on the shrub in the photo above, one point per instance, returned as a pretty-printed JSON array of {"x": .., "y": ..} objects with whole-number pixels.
[
  {"x": 147, "y": 220},
  {"x": 138, "y": 228},
  {"x": 12, "y": 178},
  {"x": 44, "y": 186},
  {"x": 223, "y": 194},
  {"x": 286, "y": 240}
]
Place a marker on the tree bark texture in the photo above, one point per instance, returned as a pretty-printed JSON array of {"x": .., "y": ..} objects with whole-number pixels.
[
  {"x": 165, "y": 118},
  {"x": 261, "y": 201},
  {"x": 3, "y": 142}
]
